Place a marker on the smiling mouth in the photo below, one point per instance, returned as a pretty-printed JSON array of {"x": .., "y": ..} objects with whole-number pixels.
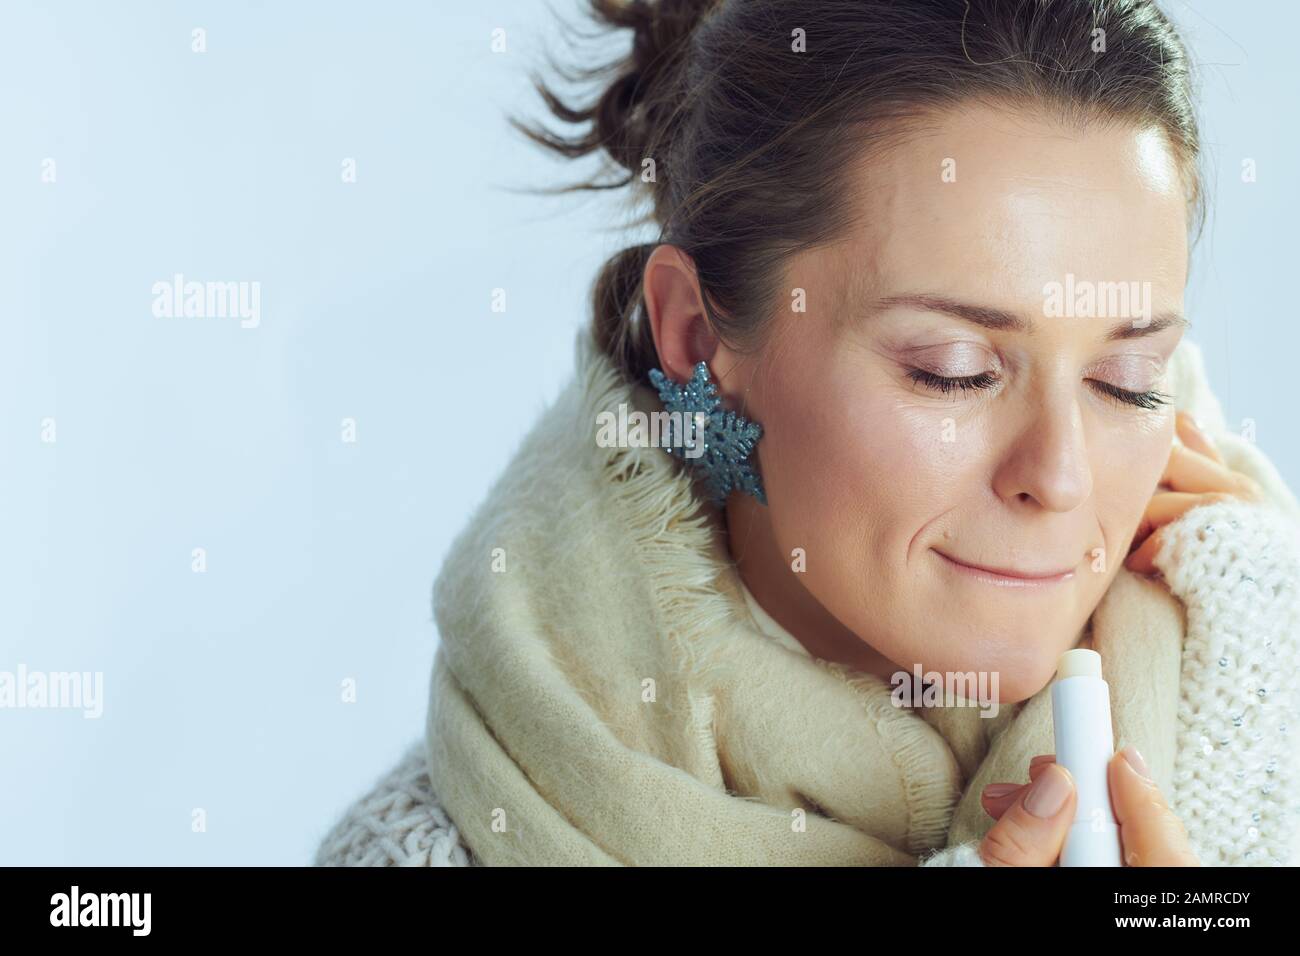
[{"x": 1006, "y": 577}]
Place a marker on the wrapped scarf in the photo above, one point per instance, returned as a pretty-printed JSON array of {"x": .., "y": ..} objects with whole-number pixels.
[{"x": 603, "y": 695}]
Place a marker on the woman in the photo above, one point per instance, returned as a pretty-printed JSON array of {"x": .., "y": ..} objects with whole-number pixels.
[{"x": 921, "y": 266}]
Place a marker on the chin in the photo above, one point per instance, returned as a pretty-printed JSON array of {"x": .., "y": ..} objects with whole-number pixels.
[
  {"x": 1028, "y": 674},
  {"x": 1024, "y": 663}
]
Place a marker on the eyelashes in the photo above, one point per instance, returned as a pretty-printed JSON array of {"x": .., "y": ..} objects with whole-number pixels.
[
  {"x": 970, "y": 383},
  {"x": 1152, "y": 399},
  {"x": 943, "y": 384}
]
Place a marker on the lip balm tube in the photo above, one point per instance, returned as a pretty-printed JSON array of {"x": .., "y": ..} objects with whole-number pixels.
[{"x": 1084, "y": 745}]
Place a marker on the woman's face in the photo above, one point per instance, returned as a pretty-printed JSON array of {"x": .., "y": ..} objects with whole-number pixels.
[{"x": 979, "y": 243}]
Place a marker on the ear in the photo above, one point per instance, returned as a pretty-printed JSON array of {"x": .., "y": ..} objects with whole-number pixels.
[{"x": 675, "y": 307}]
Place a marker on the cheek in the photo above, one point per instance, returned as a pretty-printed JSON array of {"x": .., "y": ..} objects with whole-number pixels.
[
  {"x": 856, "y": 468},
  {"x": 1127, "y": 466}
]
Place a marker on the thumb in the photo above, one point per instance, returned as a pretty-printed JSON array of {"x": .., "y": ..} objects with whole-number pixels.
[
  {"x": 1150, "y": 832},
  {"x": 1032, "y": 830}
]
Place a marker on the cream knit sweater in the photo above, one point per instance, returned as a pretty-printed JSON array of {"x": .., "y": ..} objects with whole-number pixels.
[{"x": 1233, "y": 565}]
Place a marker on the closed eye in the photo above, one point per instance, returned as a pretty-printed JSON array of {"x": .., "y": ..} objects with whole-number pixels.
[{"x": 967, "y": 383}]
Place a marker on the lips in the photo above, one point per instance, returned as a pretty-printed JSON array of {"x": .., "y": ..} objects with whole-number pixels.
[{"x": 1015, "y": 574}]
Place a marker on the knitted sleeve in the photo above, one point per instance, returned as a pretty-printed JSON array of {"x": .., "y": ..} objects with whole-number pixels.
[
  {"x": 963, "y": 854},
  {"x": 1235, "y": 566},
  {"x": 397, "y": 823}
]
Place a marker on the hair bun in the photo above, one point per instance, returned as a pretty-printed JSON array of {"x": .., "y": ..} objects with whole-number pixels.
[{"x": 639, "y": 110}]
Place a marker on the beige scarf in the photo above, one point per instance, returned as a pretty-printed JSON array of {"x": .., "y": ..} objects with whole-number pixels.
[{"x": 603, "y": 695}]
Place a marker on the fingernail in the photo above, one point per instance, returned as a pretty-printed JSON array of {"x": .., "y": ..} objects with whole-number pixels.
[
  {"x": 995, "y": 790},
  {"x": 1134, "y": 758},
  {"x": 1048, "y": 793}
]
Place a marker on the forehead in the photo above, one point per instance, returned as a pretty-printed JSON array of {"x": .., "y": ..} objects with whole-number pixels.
[{"x": 995, "y": 202}]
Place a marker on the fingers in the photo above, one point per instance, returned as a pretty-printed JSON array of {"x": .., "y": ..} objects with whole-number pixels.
[
  {"x": 1189, "y": 470},
  {"x": 1194, "y": 437},
  {"x": 1143, "y": 560},
  {"x": 1194, "y": 475},
  {"x": 1161, "y": 510},
  {"x": 1164, "y": 507},
  {"x": 1150, "y": 833},
  {"x": 1032, "y": 829},
  {"x": 997, "y": 798}
]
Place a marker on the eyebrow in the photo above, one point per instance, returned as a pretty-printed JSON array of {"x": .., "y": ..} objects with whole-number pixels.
[{"x": 1000, "y": 321}]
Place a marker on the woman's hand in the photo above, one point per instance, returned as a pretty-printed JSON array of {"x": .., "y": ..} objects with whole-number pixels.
[
  {"x": 1033, "y": 818},
  {"x": 1195, "y": 475}
]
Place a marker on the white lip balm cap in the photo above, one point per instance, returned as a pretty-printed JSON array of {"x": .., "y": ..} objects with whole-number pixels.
[{"x": 1080, "y": 662}]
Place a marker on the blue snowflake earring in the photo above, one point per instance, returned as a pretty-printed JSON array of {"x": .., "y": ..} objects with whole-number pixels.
[{"x": 728, "y": 438}]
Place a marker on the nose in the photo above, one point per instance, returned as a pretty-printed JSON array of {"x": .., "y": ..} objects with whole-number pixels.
[{"x": 1046, "y": 463}]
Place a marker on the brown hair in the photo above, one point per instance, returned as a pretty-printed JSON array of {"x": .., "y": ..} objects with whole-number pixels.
[{"x": 747, "y": 134}]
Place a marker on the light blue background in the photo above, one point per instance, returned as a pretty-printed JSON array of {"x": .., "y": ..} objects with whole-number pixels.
[{"x": 222, "y": 689}]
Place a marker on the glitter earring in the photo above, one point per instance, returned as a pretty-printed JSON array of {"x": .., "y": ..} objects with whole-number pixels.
[{"x": 728, "y": 438}]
